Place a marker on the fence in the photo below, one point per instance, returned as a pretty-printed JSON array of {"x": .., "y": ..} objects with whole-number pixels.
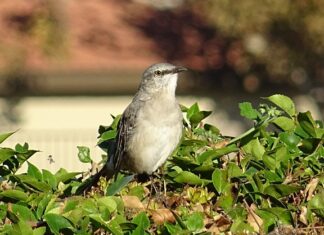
[{"x": 58, "y": 148}]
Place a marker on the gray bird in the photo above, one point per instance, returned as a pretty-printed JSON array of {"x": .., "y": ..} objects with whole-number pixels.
[{"x": 151, "y": 126}]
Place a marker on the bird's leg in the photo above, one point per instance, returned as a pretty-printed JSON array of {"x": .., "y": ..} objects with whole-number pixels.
[{"x": 163, "y": 180}]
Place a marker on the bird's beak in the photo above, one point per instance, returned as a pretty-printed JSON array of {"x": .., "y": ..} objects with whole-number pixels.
[{"x": 179, "y": 69}]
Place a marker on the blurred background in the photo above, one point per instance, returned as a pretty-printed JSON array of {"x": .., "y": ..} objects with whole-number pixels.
[{"x": 65, "y": 66}]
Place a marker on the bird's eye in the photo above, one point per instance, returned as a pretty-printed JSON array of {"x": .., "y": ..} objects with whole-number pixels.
[{"x": 158, "y": 73}]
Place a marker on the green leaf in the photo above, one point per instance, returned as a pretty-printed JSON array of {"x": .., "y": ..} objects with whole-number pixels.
[
  {"x": 211, "y": 128},
  {"x": 4, "y": 136},
  {"x": 195, "y": 222},
  {"x": 57, "y": 222},
  {"x": 142, "y": 220},
  {"x": 39, "y": 231},
  {"x": 307, "y": 123},
  {"x": 23, "y": 212},
  {"x": 32, "y": 182},
  {"x": 72, "y": 203},
  {"x": 254, "y": 148},
  {"x": 115, "y": 122},
  {"x": 21, "y": 148},
  {"x": 282, "y": 214},
  {"x": 34, "y": 172},
  {"x": 284, "y": 102},
  {"x": 281, "y": 190},
  {"x": 108, "y": 135},
  {"x": 188, "y": 177},
  {"x": 233, "y": 170},
  {"x": 257, "y": 149},
  {"x": 241, "y": 227},
  {"x": 290, "y": 139},
  {"x": 309, "y": 145},
  {"x": 215, "y": 153},
  {"x": 22, "y": 157},
  {"x": 84, "y": 154},
  {"x": 23, "y": 228},
  {"x": 6, "y": 153},
  {"x": 183, "y": 108},
  {"x": 97, "y": 217},
  {"x": 226, "y": 199},
  {"x": 75, "y": 216},
  {"x": 107, "y": 202},
  {"x": 89, "y": 206},
  {"x": 246, "y": 110},
  {"x": 268, "y": 219},
  {"x": 196, "y": 118},
  {"x": 272, "y": 177},
  {"x": 43, "y": 204},
  {"x": 14, "y": 194},
  {"x": 137, "y": 191},
  {"x": 115, "y": 228},
  {"x": 118, "y": 184},
  {"x": 316, "y": 204},
  {"x": 284, "y": 123},
  {"x": 63, "y": 176},
  {"x": 3, "y": 211},
  {"x": 173, "y": 229},
  {"x": 219, "y": 178},
  {"x": 49, "y": 178},
  {"x": 192, "y": 110}
]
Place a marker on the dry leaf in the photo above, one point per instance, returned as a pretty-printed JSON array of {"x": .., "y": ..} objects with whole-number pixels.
[
  {"x": 160, "y": 216},
  {"x": 220, "y": 144},
  {"x": 253, "y": 219},
  {"x": 310, "y": 188},
  {"x": 223, "y": 223},
  {"x": 302, "y": 216},
  {"x": 132, "y": 202},
  {"x": 214, "y": 229},
  {"x": 198, "y": 207}
]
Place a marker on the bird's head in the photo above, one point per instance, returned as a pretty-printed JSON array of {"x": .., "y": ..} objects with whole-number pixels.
[{"x": 161, "y": 77}]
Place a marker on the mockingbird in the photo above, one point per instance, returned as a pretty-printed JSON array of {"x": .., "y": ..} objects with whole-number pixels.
[{"x": 151, "y": 126}]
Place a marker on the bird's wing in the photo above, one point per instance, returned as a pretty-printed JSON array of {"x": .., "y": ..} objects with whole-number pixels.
[{"x": 125, "y": 129}]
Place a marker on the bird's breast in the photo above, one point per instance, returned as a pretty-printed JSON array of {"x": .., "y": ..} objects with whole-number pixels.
[{"x": 157, "y": 132}]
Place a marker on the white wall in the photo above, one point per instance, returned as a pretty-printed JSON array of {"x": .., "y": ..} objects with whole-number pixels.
[{"x": 55, "y": 126}]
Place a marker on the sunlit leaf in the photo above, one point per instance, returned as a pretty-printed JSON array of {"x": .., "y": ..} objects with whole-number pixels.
[
  {"x": 281, "y": 190},
  {"x": 316, "y": 204},
  {"x": 285, "y": 123},
  {"x": 107, "y": 202},
  {"x": 6, "y": 153},
  {"x": 284, "y": 102},
  {"x": 142, "y": 220},
  {"x": 219, "y": 178},
  {"x": 84, "y": 154},
  {"x": 118, "y": 184},
  {"x": 5, "y": 136},
  {"x": 190, "y": 178},
  {"x": 246, "y": 110},
  {"x": 34, "y": 172},
  {"x": 62, "y": 175},
  {"x": 57, "y": 222},
  {"x": 49, "y": 178},
  {"x": 195, "y": 222},
  {"x": 14, "y": 194},
  {"x": 282, "y": 214},
  {"x": 23, "y": 212}
]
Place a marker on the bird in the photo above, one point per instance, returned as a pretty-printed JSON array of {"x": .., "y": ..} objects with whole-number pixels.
[{"x": 151, "y": 126}]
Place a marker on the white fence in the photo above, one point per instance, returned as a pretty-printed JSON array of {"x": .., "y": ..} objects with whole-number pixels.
[{"x": 58, "y": 148}]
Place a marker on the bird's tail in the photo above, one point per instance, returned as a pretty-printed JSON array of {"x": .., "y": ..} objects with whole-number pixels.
[{"x": 107, "y": 171}]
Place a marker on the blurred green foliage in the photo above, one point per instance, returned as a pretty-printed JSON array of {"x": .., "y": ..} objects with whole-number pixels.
[{"x": 274, "y": 39}]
